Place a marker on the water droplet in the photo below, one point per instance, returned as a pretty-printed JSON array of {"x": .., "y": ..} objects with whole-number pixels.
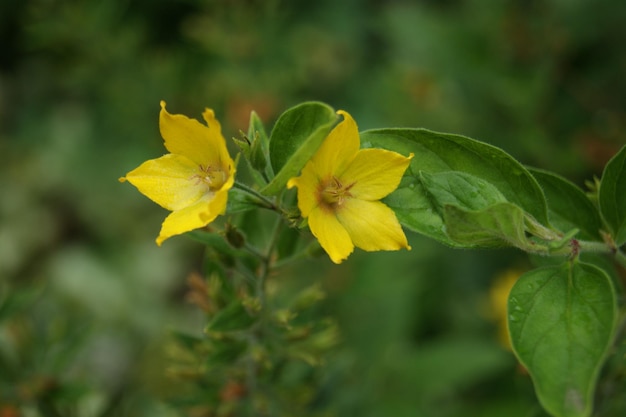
[
  {"x": 513, "y": 318},
  {"x": 518, "y": 308},
  {"x": 411, "y": 185}
]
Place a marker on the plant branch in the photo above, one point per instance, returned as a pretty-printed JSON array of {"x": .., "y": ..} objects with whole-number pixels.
[
  {"x": 267, "y": 203},
  {"x": 256, "y": 333},
  {"x": 254, "y": 251},
  {"x": 595, "y": 247},
  {"x": 620, "y": 257}
]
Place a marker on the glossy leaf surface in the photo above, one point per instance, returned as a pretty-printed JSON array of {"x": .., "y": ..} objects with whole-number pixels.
[
  {"x": 489, "y": 170},
  {"x": 296, "y": 136},
  {"x": 561, "y": 320}
]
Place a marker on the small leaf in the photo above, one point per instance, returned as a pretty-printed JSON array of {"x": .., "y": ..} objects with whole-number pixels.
[
  {"x": 259, "y": 150},
  {"x": 421, "y": 202},
  {"x": 612, "y": 196},
  {"x": 415, "y": 210},
  {"x": 296, "y": 136},
  {"x": 568, "y": 206},
  {"x": 243, "y": 143},
  {"x": 288, "y": 243},
  {"x": 438, "y": 152},
  {"x": 233, "y": 317},
  {"x": 307, "y": 298},
  {"x": 256, "y": 129},
  {"x": 561, "y": 321},
  {"x": 239, "y": 201},
  {"x": 499, "y": 225},
  {"x": 188, "y": 341},
  {"x": 218, "y": 243},
  {"x": 225, "y": 351}
]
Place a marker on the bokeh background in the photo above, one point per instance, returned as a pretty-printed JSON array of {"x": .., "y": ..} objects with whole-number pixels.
[{"x": 87, "y": 300}]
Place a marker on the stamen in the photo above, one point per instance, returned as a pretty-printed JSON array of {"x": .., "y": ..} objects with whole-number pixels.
[
  {"x": 212, "y": 176},
  {"x": 333, "y": 193}
]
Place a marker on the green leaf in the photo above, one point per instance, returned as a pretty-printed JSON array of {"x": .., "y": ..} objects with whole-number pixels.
[
  {"x": 460, "y": 189},
  {"x": 499, "y": 225},
  {"x": 568, "y": 206},
  {"x": 259, "y": 150},
  {"x": 415, "y": 210},
  {"x": 217, "y": 242},
  {"x": 239, "y": 201},
  {"x": 234, "y": 317},
  {"x": 307, "y": 298},
  {"x": 256, "y": 129},
  {"x": 296, "y": 136},
  {"x": 438, "y": 152},
  {"x": 225, "y": 350},
  {"x": 612, "y": 196},
  {"x": 254, "y": 147},
  {"x": 561, "y": 321},
  {"x": 188, "y": 341},
  {"x": 436, "y": 191},
  {"x": 288, "y": 242}
]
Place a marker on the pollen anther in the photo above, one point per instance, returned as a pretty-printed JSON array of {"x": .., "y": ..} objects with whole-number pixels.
[
  {"x": 333, "y": 193},
  {"x": 212, "y": 176}
]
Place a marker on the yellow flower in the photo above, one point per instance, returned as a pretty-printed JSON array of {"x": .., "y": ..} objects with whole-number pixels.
[
  {"x": 339, "y": 189},
  {"x": 192, "y": 180},
  {"x": 498, "y": 301}
]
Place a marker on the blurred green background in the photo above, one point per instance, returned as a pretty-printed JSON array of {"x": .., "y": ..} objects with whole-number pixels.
[{"x": 87, "y": 299}]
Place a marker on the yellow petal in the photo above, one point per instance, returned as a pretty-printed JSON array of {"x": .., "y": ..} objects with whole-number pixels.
[
  {"x": 375, "y": 173},
  {"x": 168, "y": 181},
  {"x": 307, "y": 184},
  {"x": 217, "y": 205},
  {"x": 185, "y": 219},
  {"x": 188, "y": 137},
  {"x": 372, "y": 225},
  {"x": 214, "y": 125},
  {"x": 338, "y": 149},
  {"x": 331, "y": 234}
]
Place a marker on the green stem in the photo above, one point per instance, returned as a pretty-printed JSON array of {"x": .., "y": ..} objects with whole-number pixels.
[
  {"x": 247, "y": 275},
  {"x": 575, "y": 246},
  {"x": 601, "y": 247},
  {"x": 254, "y": 251},
  {"x": 267, "y": 260},
  {"x": 267, "y": 203},
  {"x": 620, "y": 257},
  {"x": 274, "y": 237},
  {"x": 257, "y": 332},
  {"x": 595, "y": 247}
]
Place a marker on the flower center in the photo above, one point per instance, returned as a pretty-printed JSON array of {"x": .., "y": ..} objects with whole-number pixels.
[
  {"x": 333, "y": 193},
  {"x": 213, "y": 176}
]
